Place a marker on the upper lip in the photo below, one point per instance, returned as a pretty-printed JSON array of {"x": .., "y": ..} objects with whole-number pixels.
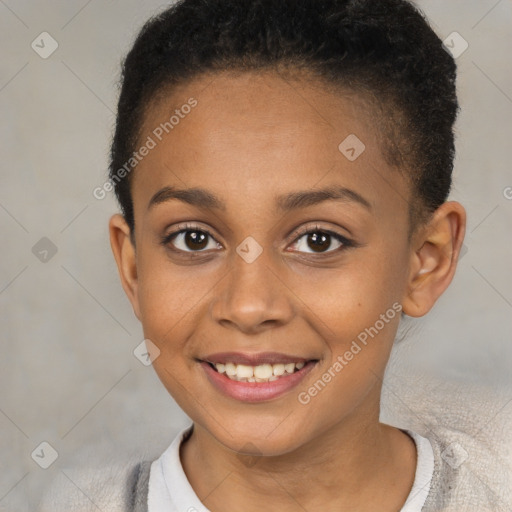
[{"x": 254, "y": 359}]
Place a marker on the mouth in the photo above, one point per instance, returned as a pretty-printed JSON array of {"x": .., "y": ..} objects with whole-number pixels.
[{"x": 255, "y": 378}]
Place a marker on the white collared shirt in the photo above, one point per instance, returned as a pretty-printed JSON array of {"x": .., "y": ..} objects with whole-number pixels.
[{"x": 170, "y": 490}]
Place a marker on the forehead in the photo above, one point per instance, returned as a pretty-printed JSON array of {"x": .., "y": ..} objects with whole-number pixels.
[{"x": 251, "y": 137}]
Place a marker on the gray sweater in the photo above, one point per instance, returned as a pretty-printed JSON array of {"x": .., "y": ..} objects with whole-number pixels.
[
  {"x": 470, "y": 430},
  {"x": 449, "y": 489}
]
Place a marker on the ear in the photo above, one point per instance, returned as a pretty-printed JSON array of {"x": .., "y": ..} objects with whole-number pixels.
[
  {"x": 125, "y": 256},
  {"x": 436, "y": 248}
]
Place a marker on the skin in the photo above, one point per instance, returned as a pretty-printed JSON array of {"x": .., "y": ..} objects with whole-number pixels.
[{"x": 249, "y": 139}]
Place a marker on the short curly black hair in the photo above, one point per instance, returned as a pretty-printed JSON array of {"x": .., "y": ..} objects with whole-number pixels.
[{"x": 385, "y": 50}]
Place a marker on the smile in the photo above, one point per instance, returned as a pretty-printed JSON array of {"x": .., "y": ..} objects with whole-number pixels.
[
  {"x": 268, "y": 377},
  {"x": 259, "y": 373}
]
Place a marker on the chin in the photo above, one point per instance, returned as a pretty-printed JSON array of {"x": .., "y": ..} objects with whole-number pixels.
[{"x": 257, "y": 439}]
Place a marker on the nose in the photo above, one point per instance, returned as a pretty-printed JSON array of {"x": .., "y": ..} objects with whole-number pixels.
[{"x": 253, "y": 296}]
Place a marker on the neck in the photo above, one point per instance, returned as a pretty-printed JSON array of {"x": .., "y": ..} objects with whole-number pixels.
[{"x": 354, "y": 465}]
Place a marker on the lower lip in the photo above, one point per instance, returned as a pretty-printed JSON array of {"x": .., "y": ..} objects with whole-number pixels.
[{"x": 255, "y": 391}]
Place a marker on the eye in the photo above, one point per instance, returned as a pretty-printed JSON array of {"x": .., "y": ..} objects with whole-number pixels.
[
  {"x": 190, "y": 239},
  {"x": 320, "y": 241}
]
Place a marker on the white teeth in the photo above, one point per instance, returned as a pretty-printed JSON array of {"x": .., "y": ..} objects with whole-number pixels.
[
  {"x": 278, "y": 369},
  {"x": 230, "y": 369},
  {"x": 260, "y": 373},
  {"x": 244, "y": 371},
  {"x": 263, "y": 371},
  {"x": 290, "y": 368}
]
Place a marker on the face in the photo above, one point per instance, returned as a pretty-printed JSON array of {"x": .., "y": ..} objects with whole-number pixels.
[{"x": 295, "y": 250}]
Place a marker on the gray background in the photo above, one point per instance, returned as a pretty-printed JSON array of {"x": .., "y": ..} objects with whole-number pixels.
[{"x": 67, "y": 369}]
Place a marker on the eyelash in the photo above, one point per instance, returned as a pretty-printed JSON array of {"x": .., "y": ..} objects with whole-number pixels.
[{"x": 346, "y": 243}]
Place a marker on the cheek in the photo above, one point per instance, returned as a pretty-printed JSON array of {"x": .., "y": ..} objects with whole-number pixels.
[
  {"x": 346, "y": 300},
  {"x": 356, "y": 312},
  {"x": 174, "y": 301},
  {"x": 167, "y": 297},
  {"x": 168, "y": 304}
]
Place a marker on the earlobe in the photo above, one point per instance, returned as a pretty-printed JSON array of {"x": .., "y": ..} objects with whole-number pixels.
[
  {"x": 434, "y": 258},
  {"x": 125, "y": 256}
]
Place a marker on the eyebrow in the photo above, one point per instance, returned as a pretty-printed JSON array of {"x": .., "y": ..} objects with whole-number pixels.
[{"x": 203, "y": 198}]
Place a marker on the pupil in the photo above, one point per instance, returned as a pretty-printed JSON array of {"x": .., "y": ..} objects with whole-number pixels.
[
  {"x": 318, "y": 241},
  {"x": 197, "y": 238}
]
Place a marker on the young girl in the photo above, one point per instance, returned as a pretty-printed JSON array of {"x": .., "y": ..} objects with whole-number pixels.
[{"x": 283, "y": 168}]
